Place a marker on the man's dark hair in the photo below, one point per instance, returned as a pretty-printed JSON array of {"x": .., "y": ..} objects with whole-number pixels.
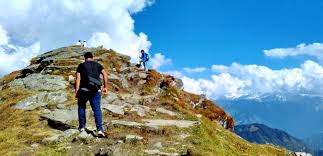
[
  {"x": 142, "y": 50},
  {"x": 88, "y": 55}
]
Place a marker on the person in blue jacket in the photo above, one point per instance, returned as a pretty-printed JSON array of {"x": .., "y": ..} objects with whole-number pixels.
[{"x": 144, "y": 58}]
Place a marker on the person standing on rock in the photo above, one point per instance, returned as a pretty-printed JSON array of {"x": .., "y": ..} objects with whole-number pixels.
[
  {"x": 84, "y": 44},
  {"x": 79, "y": 43},
  {"x": 144, "y": 58},
  {"x": 88, "y": 88}
]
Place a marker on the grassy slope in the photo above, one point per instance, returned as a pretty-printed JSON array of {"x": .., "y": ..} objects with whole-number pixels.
[{"x": 19, "y": 129}]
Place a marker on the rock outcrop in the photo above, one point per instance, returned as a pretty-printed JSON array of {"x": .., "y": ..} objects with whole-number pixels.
[{"x": 143, "y": 113}]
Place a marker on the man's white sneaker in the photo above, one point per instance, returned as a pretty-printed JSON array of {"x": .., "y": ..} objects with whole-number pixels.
[
  {"x": 101, "y": 134},
  {"x": 82, "y": 129}
]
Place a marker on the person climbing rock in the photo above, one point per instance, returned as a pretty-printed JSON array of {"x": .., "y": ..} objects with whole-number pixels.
[
  {"x": 88, "y": 88},
  {"x": 144, "y": 58}
]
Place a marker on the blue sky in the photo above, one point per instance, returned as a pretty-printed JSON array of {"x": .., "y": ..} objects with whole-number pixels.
[
  {"x": 202, "y": 33},
  {"x": 225, "y": 39}
]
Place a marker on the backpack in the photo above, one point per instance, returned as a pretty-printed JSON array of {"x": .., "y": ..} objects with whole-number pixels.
[
  {"x": 145, "y": 57},
  {"x": 93, "y": 84}
]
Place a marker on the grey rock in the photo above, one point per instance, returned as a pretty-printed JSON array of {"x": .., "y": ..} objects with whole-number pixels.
[
  {"x": 39, "y": 82},
  {"x": 35, "y": 145},
  {"x": 113, "y": 77},
  {"x": 130, "y": 138},
  {"x": 125, "y": 70},
  {"x": 70, "y": 132},
  {"x": 126, "y": 123},
  {"x": 117, "y": 102},
  {"x": 165, "y": 111},
  {"x": 54, "y": 138},
  {"x": 132, "y": 99},
  {"x": 152, "y": 152},
  {"x": 84, "y": 135},
  {"x": 57, "y": 97},
  {"x": 177, "y": 123},
  {"x": 184, "y": 136},
  {"x": 117, "y": 109},
  {"x": 179, "y": 84},
  {"x": 140, "y": 110},
  {"x": 65, "y": 116},
  {"x": 109, "y": 98},
  {"x": 32, "y": 102},
  {"x": 120, "y": 142},
  {"x": 132, "y": 75},
  {"x": 155, "y": 124},
  {"x": 45, "y": 111},
  {"x": 141, "y": 82},
  {"x": 157, "y": 152},
  {"x": 61, "y": 106},
  {"x": 143, "y": 75},
  {"x": 124, "y": 82},
  {"x": 158, "y": 145},
  {"x": 41, "y": 99},
  {"x": 31, "y": 69}
]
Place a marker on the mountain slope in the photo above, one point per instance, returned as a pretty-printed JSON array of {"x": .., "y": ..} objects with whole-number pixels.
[
  {"x": 262, "y": 134},
  {"x": 298, "y": 115},
  {"x": 143, "y": 113}
]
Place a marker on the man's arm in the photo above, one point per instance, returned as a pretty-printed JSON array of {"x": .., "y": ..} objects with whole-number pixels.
[
  {"x": 77, "y": 83},
  {"x": 105, "y": 81}
]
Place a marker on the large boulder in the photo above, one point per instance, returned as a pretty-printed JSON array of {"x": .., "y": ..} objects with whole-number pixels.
[
  {"x": 61, "y": 119},
  {"x": 42, "y": 99},
  {"x": 39, "y": 82},
  {"x": 116, "y": 109}
]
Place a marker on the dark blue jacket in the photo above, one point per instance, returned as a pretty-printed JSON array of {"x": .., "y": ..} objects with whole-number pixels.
[{"x": 144, "y": 57}]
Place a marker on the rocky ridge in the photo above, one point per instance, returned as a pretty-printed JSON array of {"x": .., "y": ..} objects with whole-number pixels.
[{"x": 144, "y": 113}]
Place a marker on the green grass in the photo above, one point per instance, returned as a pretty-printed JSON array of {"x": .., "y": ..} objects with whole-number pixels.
[
  {"x": 211, "y": 139},
  {"x": 18, "y": 128}
]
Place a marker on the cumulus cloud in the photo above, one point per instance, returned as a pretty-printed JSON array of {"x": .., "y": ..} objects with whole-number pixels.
[
  {"x": 314, "y": 49},
  {"x": 160, "y": 60},
  {"x": 219, "y": 68},
  {"x": 219, "y": 86},
  {"x": 195, "y": 70},
  {"x": 54, "y": 24},
  {"x": 239, "y": 80},
  {"x": 14, "y": 57}
]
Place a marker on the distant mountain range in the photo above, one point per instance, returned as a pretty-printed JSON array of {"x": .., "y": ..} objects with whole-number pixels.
[
  {"x": 262, "y": 134},
  {"x": 299, "y": 115}
]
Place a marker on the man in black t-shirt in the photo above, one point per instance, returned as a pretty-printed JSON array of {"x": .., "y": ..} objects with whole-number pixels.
[{"x": 88, "y": 74}]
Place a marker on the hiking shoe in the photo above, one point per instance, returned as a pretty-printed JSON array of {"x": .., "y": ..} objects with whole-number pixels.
[
  {"x": 101, "y": 134},
  {"x": 81, "y": 129}
]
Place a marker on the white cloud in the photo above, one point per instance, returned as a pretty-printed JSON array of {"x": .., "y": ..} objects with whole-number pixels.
[
  {"x": 4, "y": 38},
  {"x": 254, "y": 81},
  {"x": 219, "y": 68},
  {"x": 195, "y": 70},
  {"x": 219, "y": 86},
  {"x": 160, "y": 60},
  {"x": 314, "y": 49},
  {"x": 175, "y": 73},
  {"x": 59, "y": 23},
  {"x": 14, "y": 57}
]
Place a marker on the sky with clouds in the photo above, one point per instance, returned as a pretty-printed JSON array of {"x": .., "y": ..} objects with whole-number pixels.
[
  {"x": 231, "y": 49},
  {"x": 31, "y": 27},
  {"x": 224, "y": 49}
]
